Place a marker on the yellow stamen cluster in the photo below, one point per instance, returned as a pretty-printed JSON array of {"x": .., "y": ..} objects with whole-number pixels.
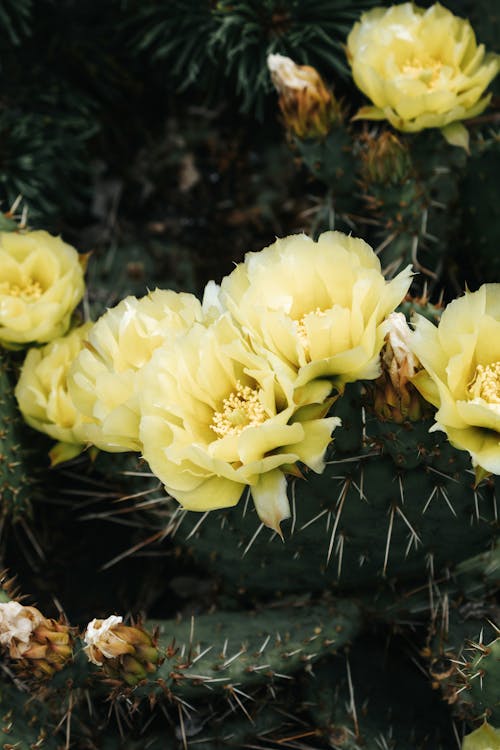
[
  {"x": 486, "y": 383},
  {"x": 302, "y": 329},
  {"x": 29, "y": 291},
  {"x": 428, "y": 73},
  {"x": 241, "y": 409}
]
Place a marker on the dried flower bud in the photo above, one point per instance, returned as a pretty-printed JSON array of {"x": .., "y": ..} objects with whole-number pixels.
[
  {"x": 395, "y": 398},
  {"x": 125, "y": 652},
  {"x": 307, "y": 104},
  {"x": 17, "y": 624},
  {"x": 40, "y": 646}
]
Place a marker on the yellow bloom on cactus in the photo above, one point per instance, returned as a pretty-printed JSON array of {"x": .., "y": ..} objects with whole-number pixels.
[
  {"x": 307, "y": 104},
  {"x": 43, "y": 397},
  {"x": 461, "y": 357},
  {"x": 218, "y": 416},
  {"x": 41, "y": 283},
  {"x": 320, "y": 306},
  {"x": 484, "y": 738},
  {"x": 103, "y": 380},
  {"x": 420, "y": 68}
]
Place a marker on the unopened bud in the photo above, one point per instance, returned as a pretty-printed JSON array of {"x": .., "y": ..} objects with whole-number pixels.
[
  {"x": 308, "y": 106},
  {"x": 385, "y": 159}
]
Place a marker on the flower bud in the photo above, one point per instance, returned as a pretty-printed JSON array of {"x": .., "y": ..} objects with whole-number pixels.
[
  {"x": 308, "y": 106},
  {"x": 126, "y": 653},
  {"x": 385, "y": 159}
]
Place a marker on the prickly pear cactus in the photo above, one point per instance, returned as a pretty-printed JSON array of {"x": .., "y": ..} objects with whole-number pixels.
[{"x": 17, "y": 472}]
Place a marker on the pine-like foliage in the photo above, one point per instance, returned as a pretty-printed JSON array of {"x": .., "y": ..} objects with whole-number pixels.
[{"x": 223, "y": 46}]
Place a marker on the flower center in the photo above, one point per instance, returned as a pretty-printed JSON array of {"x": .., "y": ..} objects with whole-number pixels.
[
  {"x": 28, "y": 292},
  {"x": 427, "y": 72},
  {"x": 241, "y": 409},
  {"x": 486, "y": 383},
  {"x": 302, "y": 328}
]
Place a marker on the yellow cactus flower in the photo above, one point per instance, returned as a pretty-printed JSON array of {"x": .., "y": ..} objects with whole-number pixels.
[
  {"x": 41, "y": 283},
  {"x": 307, "y": 104},
  {"x": 102, "y": 381},
  {"x": 43, "y": 397},
  {"x": 218, "y": 416},
  {"x": 320, "y": 306},
  {"x": 461, "y": 357},
  {"x": 484, "y": 738},
  {"x": 421, "y": 68}
]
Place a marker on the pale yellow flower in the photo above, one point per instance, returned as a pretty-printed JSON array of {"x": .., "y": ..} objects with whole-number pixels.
[
  {"x": 41, "y": 283},
  {"x": 461, "y": 378},
  {"x": 103, "y": 379},
  {"x": 420, "y": 68},
  {"x": 320, "y": 306},
  {"x": 484, "y": 738},
  {"x": 217, "y": 416},
  {"x": 42, "y": 392}
]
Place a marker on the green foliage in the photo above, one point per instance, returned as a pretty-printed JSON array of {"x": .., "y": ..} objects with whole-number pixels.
[
  {"x": 206, "y": 42},
  {"x": 15, "y": 19}
]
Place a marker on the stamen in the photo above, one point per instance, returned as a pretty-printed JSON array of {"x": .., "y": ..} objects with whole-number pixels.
[
  {"x": 486, "y": 383},
  {"x": 241, "y": 409},
  {"x": 29, "y": 291}
]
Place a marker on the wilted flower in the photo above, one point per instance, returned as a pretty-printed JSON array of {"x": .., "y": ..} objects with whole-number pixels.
[
  {"x": 320, "y": 306},
  {"x": 102, "y": 382},
  {"x": 461, "y": 357},
  {"x": 102, "y": 642},
  {"x": 17, "y": 624},
  {"x": 217, "y": 416},
  {"x": 307, "y": 104},
  {"x": 41, "y": 282},
  {"x": 40, "y": 646},
  {"x": 42, "y": 393},
  {"x": 420, "y": 68},
  {"x": 395, "y": 397},
  {"x": 127, "y": 652}
]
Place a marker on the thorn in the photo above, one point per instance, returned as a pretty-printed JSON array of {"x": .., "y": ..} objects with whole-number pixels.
[
  {"x": 232, "y": 658},
  {"x": 429, "y": 499},
  {"x": 312, "y": 520},
  {"x": 340, "y": 553},
  {"x": 294, "y": 509},
  {"x": 352, "y": 705},
  {"x": 252, "y": 540},
  {"x": 388, "y": 542},
  {"x": 183, "y": 731},
  {"x": 340, "y": 504},
  {"x": 197, "y": 525},
  {"x": 264, "y": 645},
  {"x": 447, "y": 499}
]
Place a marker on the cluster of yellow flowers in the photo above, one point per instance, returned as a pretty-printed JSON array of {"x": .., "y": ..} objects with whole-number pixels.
[
  {"x": 421, "y": 68},
  {"x": 222, "y": 394},
  {"x": 235, "y": 391}
]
